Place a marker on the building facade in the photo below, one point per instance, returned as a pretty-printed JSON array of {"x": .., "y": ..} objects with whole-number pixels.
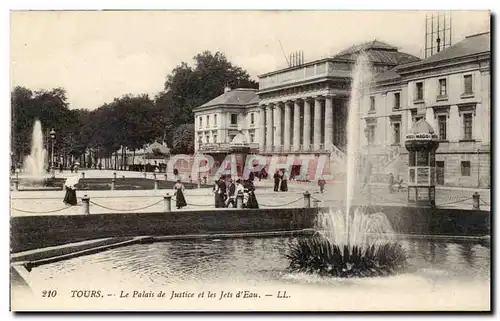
[
  {"x": 451, "y": 90},
  {"x": 302, "y": 110}
]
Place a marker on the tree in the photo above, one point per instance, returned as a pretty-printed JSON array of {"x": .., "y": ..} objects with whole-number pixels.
[
  {"x": 183, "y": 139},
  {"x": 48, "y": 106},
  {"x": 189, "y": 87}
]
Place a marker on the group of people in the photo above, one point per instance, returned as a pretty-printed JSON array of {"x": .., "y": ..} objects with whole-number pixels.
[
  {"x": 280, "y": 181},
  {"x": 226, "y": 192}
]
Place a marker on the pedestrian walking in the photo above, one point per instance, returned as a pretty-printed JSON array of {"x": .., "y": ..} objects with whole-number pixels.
[
  {"x": 219, "y": 190},
  {"x": 284, "y": 182},
  {"x": 231, "y": 194},
  {"x": 180, "y": 200},
  {"x": 391, "y": 183},
  {"x": 70, "y": 196},
  {"x": 321, "y": 184}
]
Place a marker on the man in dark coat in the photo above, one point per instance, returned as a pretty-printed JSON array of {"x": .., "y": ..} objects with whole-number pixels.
[
  {"x": 277, "y": 179},
  {"x": 231, "y": 194}
]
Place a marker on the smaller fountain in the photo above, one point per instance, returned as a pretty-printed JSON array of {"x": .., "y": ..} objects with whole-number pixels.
[{"x": 35, "y": 163}]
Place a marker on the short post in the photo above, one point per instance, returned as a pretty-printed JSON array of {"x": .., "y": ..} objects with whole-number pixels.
[
  {"x": 475, "y": 201},
  {"x": 190, "y": 179},
  {"x": 307, "y": 199},
  {"x": 167, "y": 201},
  {"x": 199, "y": 183},
  {"x": 205, "y": 180},
  {"x": 239, "y": 200},
  {"x": 113, "y": 184},
  {"x": 154, "y": 176},
  {"x": 16, "y": 184},
  {"x": 144, "y": 174},
  {"x": 155, "y": 184},
  {"x": 114, "y": 175},
  {"x": 166, "y": 176},
  {"x": 83, "y": 175},
  {"x": 86, "y": 204}
]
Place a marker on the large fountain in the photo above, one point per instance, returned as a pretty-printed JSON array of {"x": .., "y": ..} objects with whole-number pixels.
[
  {"x": 351, "y": 241},
  {"x": 36, "y": 162}
]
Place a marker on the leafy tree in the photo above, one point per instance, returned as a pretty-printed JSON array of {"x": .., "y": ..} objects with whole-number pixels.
[
  {"x": 188, "y": 87},
  {"x": 183, "y": 139}
]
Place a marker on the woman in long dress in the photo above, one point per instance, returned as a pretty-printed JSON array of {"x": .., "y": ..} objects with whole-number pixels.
[
  {"x": 70, "y": 196},
  {"x": 284, "y": 182},
  {"x": 180, "y": 201},
  {"x": 252, "y": 200}
]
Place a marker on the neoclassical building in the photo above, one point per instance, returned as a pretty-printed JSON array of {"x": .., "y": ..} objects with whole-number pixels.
[
  {"x": 302, "y": 110},
  {"x": 451, "y": 90},
  {"x": 298, "y": 110}
]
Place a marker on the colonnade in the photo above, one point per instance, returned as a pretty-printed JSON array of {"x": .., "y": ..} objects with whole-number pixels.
[{"x": 285, "y": 136}]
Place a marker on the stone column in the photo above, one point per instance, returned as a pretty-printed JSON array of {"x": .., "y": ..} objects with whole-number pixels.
[
  {"x": 317, "y": 123},
  {"x": 262, "y": 127},
  {"x": 287, "y": 126},
  {"x": 269, "y": 128},
  {"x": 307, "y": 125},
  {"x": 277, "y": 126},
  {"x": 296, "y": 125},
  {"x": 328, "y": 122}
]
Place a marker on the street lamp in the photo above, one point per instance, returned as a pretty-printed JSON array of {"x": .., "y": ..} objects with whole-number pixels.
[{"x": 53, "y": 139}]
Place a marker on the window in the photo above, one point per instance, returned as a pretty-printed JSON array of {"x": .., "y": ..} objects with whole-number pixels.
[
  {"x": 442, "y": 88},
  {"x": 468, "y": 85},
  {"x": 419, "y": 91},
  {"x": 215, "y": 120},
  {"x": 251, "y": 118},
  {"x": 208, "y": 120},
  {"x": 201, "y": 122},
  {"x": 467, "y": 126},
  {"x": 465, "y": 166},
  {"x": 417, "y": 119},
  {"x": 397, "y": 133},
  {"x": 215, "y": 138},
  {"x": 234, "y": 119},
  {"x": 252, "y": 138},
  {"x": 207, "y": 139},
  {"x": 442, "y": 126},
  {"x": 372, "y": 104},
  {"x": 397, "y": 100},
  {"x": 199, "y": 139}
]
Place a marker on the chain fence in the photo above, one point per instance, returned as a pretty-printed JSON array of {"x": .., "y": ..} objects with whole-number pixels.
[
  {"x": 41, "y": 212},
  {"x": 126, "y": 210}
]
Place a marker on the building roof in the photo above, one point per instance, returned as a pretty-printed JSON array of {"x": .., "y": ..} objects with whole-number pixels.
[
  {"x": 422, "y": 127},
  {"x": 378, "y": 52},
  {"x": 387, "y": 76},
  {"x": 370, "y": 45},
  {"x": 471, "y": 45},
  {"x": 236, "y": 97}
]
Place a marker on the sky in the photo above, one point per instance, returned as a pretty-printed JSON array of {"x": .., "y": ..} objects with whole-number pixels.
[{"x": 99, "y": 55}]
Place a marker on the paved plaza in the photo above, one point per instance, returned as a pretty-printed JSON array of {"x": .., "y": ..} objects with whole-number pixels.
[{"x": 136, "y": 201}]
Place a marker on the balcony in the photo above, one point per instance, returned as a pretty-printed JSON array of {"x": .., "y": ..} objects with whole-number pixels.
[{"x": 226, "y": 147}]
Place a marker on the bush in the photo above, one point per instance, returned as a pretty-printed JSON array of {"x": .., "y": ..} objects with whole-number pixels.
[{"x": 317, "y": 255}]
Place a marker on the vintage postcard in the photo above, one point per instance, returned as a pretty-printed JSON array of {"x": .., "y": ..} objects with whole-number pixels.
[{"x": 250, "y": 161}]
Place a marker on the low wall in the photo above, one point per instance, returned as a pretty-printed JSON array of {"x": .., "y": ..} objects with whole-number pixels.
[{"x": 32, "y": 232}]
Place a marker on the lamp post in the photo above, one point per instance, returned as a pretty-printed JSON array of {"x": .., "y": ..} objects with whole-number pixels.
[
  {"x": 53, "y": 139},
  {"x": 368, "y": 165}
]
